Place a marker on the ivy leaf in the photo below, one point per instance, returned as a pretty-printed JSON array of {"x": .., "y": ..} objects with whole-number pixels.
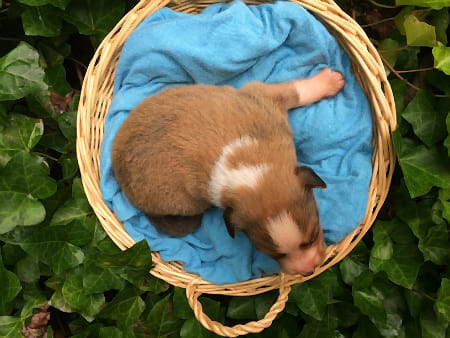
[
  {"x": 132, "y": 264},
  {"x": 419, "y": 33},
  {"x": 19, "y": 132},
  {"x": 96, "y": 279},
  {"x": 89, "y": 305},
  {"x": 435, "y": 246},
  {"x": 125, "y": 308},
  {"x": 398, "y": 257},
  {"x": 441, "y": 19},
  {"x": 444, "y": 197},
  {"x": 442, "y": 305},
  {"x": 317, "y": 329},
  {"x": 28, "y": 173},
  {"x": 75, "y": 208},
  {"x": 447, "y": 140},
  {"x": 193, "y": 329},
  {"x": 241, "y": 308},
  {"x": 254, "y": 307},
  {"x": 354, "y": 264},
  {"x": 137, "y": 257},
  {"x": 346, "y": 314},
  {"x": 366, "y": 329},
  {"x": 57, "y": 301},
  {"x": 417, "y": 214},
  {"x": 110, "y": 332},
  {"x": 383, "y": 304},
  {"x": 67, "y": 123},
  {"x": 10, "y": 327},
  {"x": 427, "y": 121},
  {"x": 400, "y": 18},
  {"x": 12, "y": 254},
  {"x": 161, "y": 321},
  {"x": 42, "y": 21},
  {"x": 263, "y": 303},
  {"x": 351, "y": 269},
  {"x": 56, "y": 79},
  {"x": 34, "y": 298},
  {"x": 18, "y": 209},
  {"x": 422, "y": 168},
  {"x": 431, "y": 326},
  {"x": 54, "y": 56},
  {"x": 9, "y": 287},
  {"x": 181, "y": 305},
  {"x": 22, "y": 182},
  {"x": 58, "y": 3},
  {"x": 442, "y": 58},
  {"x": 389, "y": 49},
  {"x": 20, "y": 73},
  {"x": 69, "y": 165},
  {"x": 370, "y": 302},
  {"x": 313, "y": 297},
  {"x": 94, "y": 17},
  {"x": 28, "y": 269},
  {"x": 51, "y": 245},
  {"x": 435, "y": 4},
  {"x": 417, "y": 299}
]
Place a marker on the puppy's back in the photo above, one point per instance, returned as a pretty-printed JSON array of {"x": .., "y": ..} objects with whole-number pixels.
[{"x": 163, "y": 153}]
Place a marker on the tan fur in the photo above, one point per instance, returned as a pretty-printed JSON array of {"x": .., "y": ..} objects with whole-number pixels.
[{"x": 164, "y": 152}]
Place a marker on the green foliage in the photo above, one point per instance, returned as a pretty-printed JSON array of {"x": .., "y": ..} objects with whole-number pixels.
[
  {"x": 395, "y": 283},
  {"x": 21, "y": 74}
]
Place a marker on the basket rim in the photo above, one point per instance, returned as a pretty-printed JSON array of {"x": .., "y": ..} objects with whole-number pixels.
[{"x": 368, "y": 65}]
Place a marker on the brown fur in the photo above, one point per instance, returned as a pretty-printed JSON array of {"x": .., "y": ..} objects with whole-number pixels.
[{"x": 164, "y": 153}]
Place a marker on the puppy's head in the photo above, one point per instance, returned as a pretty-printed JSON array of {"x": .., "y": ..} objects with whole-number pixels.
[{"x": 281, "y": 219}]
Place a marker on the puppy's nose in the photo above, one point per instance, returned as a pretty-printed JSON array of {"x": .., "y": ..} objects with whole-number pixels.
[
  {"x": 304, "y": 271},
  {"x": 307, "y": 274}
]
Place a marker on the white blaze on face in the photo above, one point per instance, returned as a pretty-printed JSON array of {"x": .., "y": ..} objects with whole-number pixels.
[
  {"x": 287, "y": 236},
  {"x": 222, "y": 176},
  {"x": 285, "y": 232}
]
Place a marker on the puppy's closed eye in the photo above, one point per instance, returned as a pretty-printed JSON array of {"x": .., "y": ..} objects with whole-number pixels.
[
  {"x": 312, "y": 240},
  {"x": 279, "y": 256}
]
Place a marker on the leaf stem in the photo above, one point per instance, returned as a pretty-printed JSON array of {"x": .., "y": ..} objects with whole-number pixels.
[
  {"x": 415, "y": 70},
  {"x": 423, "y": 294},
  {"x": 9, "y": 39},
  {"x": 77, "y": 62},
  {"x": 413, "y": 86},
  {"x": 373, "y": 2},
  {"x": 397, "y": 74},
  {"x": 393, "y": 50},
  {"x": 46, "y": 156},
  {"x": 377, "y": 22}
]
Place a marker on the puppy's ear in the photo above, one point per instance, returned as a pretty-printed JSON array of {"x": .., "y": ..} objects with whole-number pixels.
[
  {"x": 309, "y": 178},
  {"x": 227, "y": 215}
]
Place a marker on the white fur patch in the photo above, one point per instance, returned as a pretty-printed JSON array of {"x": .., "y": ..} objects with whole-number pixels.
[
  {"x": 284, "y": 232},
  {"x": 222, "y": 176}
]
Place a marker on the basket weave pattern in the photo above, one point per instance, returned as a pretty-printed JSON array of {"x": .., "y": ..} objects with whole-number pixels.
[{"x": 96, "y": 96}]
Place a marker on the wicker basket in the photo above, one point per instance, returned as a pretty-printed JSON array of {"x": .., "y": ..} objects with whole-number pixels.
[{"x": 96, "y": 97}]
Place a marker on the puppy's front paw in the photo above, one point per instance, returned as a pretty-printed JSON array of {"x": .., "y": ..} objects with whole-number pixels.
[
  {"x": 326, "y": 83},
  {"x": 332, "y": 82}
]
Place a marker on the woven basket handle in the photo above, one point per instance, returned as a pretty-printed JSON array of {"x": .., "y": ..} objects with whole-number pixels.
[{"x": 193, "y": 294}]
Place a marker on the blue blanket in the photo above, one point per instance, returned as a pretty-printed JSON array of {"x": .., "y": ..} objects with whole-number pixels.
[{"x": 234, "y": 44}]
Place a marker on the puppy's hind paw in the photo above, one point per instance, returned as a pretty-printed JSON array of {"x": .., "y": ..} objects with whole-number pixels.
[{"x": 176, "y": 226}]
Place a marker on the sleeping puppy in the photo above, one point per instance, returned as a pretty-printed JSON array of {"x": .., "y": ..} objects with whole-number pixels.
[{"x": 189, "y": 148}]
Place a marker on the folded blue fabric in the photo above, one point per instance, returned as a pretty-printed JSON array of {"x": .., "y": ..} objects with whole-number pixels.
[{"x": 234, "y": 44}]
